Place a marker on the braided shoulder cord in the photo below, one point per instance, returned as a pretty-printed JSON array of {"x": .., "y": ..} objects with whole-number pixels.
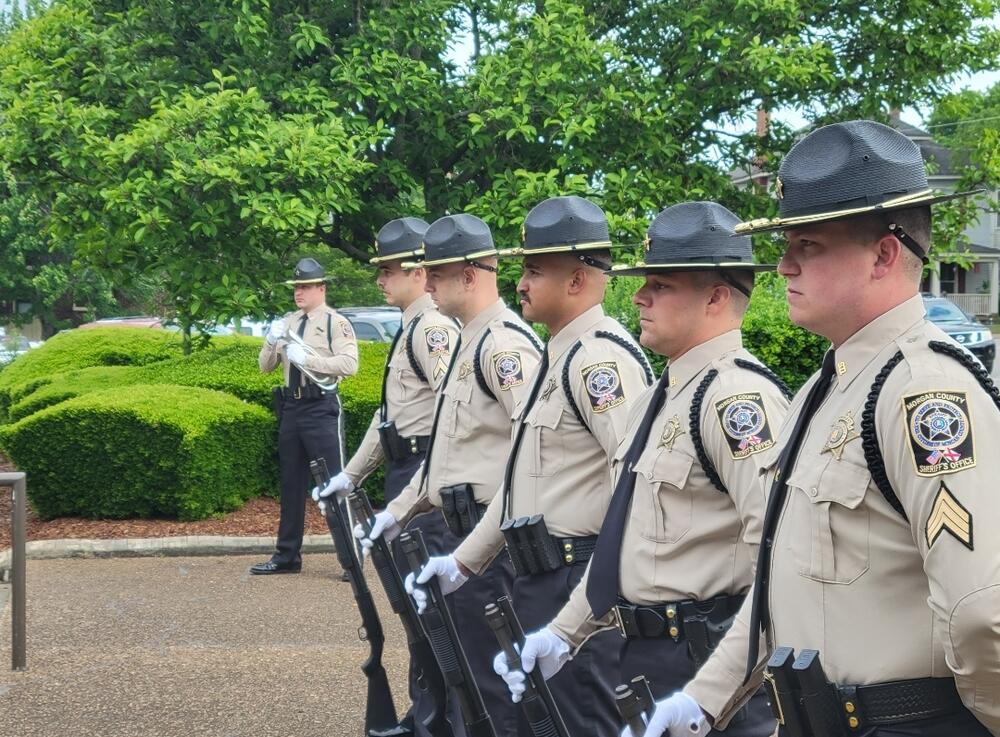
[
  {"x": 869, "y": 439},
  {"x": 477, "y": 367},
  {"x": 759, "y": 368},
  {"x": 694, "y": 418},
  {"x": 633, "y": 350},
  {"x": 975, "y": 368},
  {"x": 526, "y": 332},
  {"x": 410, "y": 355},
  {"x": 567, "y": 389}
]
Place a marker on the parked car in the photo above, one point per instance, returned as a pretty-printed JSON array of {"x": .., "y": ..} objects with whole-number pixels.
[
  {"x": 967, "y": 331},
  {"x": 373, "y": 323},
  {"x": 12, "y": 346},
  {"x": 136, "y": 321}
]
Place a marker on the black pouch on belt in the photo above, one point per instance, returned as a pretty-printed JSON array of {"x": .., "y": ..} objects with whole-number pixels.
[
  {"x": 390, "y": 440},
  {"x": 706, "y": 623},
  {"x": 458, "y": 504},
  {"x": 534, "y": 550},
  {"x": 818, "y": 697}
]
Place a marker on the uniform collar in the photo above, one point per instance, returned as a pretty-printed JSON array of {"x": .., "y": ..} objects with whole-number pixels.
[
  {"x": 316, "y": 312},
  {"x": 576, "y": 327},
  {"x": 476, "y": 324},
  {"x": 861, "y": 348},
  {"x": 692, "y": 363},
  {"x": 417, "y": 307}
]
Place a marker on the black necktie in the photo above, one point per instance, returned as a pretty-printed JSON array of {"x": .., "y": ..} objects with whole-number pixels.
[
  {"x": 543, "y": 368},
  {"x": 294, "y": 374},
  {"x": 384, "y": 411},
  {"x": 760, "y": 617},
  {"x": 602, "y": 581},
  {"x": 437, "y": 411}
]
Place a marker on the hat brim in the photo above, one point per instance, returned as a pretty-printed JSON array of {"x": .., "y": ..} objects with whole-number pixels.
[
  {"x": 642, "y": 268},
  {"x": 919, "y": 199},
  {"x": 303, "y": 282},
  {"x": 521, "y": 252},
  {"x": 450, "y": 260},
  {"x": 376, "y": 260}
]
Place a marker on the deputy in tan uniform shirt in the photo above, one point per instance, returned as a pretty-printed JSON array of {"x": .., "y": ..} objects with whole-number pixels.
[
  {"x": 310, "y": 423},
  {"x": 400, "y": 429},
  {"x": 487, "y": 381},
  {"x": 879, "y": 550},
  {"x": 676, "y": 549},
  {"x": 559, "y": 467}
]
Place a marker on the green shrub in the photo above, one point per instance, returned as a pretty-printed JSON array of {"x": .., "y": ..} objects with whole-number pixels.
[
  {"x": 361, "y": 395},
  {"x": 76, "y": 349},
  {"x": 144, "y": 451}
]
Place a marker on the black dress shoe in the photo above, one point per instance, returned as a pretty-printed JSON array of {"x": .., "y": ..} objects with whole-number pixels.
[
  {"x": 403, "y": 729},
  {"x": 273, "y": 566}
]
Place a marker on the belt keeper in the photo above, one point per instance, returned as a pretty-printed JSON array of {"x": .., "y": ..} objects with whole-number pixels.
[
  {"x": 673, "y": 622},
  {"x": 852, "y": 707},
  {"x": 413, "y": 445},
  {"x": 568, "y": 551}
]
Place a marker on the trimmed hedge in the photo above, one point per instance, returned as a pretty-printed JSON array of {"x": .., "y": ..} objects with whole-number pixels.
[
  {"x": 76, "y": 349},
  {"x": 228, "y": 365},
  {"x": 144, "y": 451}
]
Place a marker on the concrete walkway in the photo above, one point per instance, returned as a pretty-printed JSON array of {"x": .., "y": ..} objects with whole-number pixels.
[{"x": 188, "y": 646}]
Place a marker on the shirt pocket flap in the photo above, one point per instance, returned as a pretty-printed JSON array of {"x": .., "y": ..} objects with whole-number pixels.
[
  {"x": 461, "y": 391},
  {"x": 666, "y": 467},
  {"x": 546, "y": 414},
  {"x": 841, "y": 482}
]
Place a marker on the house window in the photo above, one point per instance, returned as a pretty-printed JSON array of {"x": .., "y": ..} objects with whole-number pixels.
[{"x": 949, "y": 279}]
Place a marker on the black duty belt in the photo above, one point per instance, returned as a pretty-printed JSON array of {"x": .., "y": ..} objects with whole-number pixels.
[
  {"x": 635, "y": 621},
  {"x": 806, "y": 703},
  {"x": 309, "y": 391},
  {"x": 576, "y": 549}
]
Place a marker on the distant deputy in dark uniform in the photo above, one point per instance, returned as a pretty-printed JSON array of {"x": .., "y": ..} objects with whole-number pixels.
[
  {"x": 317, "y": 348},
  {"x": 879, "y": 567}
]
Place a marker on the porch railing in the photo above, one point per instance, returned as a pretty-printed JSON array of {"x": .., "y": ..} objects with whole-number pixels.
[{"x": 974, "y": 304}]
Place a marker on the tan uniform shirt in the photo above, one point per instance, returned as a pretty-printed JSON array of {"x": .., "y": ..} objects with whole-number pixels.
[
  {"x": 684, "y": 538},
  {"x": 409, "y": 399},
  {"x": 473, "y": 428},
  {"x": 883, "y": 598},
  {"x": 562, "y": 468},
  {"x": 336, "y": 351}
]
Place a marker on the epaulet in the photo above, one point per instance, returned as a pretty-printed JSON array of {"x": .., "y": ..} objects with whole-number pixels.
[
  {"x": 477, "y": 361},
  {"x": 869, "y": 436}
]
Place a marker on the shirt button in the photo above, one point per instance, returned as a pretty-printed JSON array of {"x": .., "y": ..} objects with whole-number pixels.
[{"x": 813, "y": 491}]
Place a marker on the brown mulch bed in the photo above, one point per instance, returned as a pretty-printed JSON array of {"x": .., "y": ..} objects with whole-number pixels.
[{"x": 257, "y": 517}]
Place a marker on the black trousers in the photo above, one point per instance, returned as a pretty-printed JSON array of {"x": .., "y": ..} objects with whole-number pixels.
[
  {"x": 309, "y": 429},
  {"x": 584, "y": 689},
  {"x": 961, "y": 723},
  {"x": 668, "y": 667}
]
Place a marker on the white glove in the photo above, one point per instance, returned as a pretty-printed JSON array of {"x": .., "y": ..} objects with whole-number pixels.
[
  {"x": 296, "y": 354},
  {"x": 448, "y": 574},
  {"x": 384, "y": 524},
  {"x": 276, "y": 331},
  {"x": 341, "y": 485},
  {"x": 546, "y": 648},
  {"x": 676, "y": 716}
]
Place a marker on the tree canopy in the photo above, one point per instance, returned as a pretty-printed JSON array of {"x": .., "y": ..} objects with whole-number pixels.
[{"x": 207, "y": 145}]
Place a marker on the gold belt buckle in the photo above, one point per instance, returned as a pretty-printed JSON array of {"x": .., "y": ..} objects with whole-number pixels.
[{"x": 769, "y": 680}]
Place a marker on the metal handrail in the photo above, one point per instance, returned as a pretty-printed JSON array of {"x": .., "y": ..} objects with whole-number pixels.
[{"x": 17, "y": 480}]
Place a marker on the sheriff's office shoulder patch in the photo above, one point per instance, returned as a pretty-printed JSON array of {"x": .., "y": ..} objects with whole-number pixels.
[
  {"x": 948, "y": 514},
  {"x": 438, "y": 339},
  {"x": 604, "y": 385},
  {"x": 346, "y": 329},
  {"x": 940, "y": 432},
  {"x": 744, "y": 424},
  {"x": 508, "y": 369}
]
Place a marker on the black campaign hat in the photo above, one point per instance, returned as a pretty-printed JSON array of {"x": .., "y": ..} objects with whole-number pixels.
[
  {"x": 694, "y": 236},
  {"x": 562, "y": 225},
  {"x": 455, "y": 238},
  {"x": 848, "y": 169},
  {"x": 307, "y": 271},
  {"x": 399, "y": 238}
]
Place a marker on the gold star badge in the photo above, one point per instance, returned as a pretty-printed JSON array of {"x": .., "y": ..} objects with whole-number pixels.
[
  {"x": 841, "y": 434},
  {"x": 779, "y": 188},
  {"x": 949, "y": 514},
  {"x": 646, "y": 243},
  {"x": 671, "y": 432},
  {"x": 464, "y": 370}
]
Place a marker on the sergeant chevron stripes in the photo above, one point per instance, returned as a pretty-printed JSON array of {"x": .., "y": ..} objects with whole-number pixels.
[{"x": 948, "y": 514}]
